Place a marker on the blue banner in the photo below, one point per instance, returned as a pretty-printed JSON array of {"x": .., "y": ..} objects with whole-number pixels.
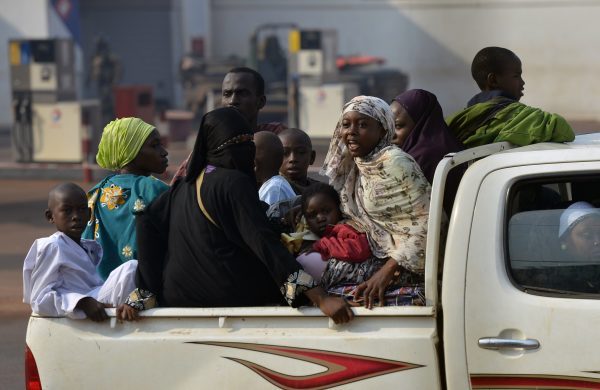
[{"x": 68, "y": 12}]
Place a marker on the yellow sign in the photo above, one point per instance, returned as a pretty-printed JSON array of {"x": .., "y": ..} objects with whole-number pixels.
[
  {"x": 294, "y": 41},
  {"x": 15, "y": 53}
]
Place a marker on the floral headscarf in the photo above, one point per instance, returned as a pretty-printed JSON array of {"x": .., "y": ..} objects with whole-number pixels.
[{"x": 384, "y": 192}]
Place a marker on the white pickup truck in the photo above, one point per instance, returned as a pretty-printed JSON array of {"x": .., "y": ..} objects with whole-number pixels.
[{"x": 508, "y": 316}]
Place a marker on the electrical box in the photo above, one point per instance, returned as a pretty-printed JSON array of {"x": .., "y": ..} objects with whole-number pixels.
[{"x": 321, "y": 107}]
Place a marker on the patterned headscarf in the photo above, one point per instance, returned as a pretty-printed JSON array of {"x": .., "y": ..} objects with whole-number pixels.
[
  {"x": 121, "y": 141},
  {"x": 338, "y": 162},
  {"x": 384, "y": 193}
]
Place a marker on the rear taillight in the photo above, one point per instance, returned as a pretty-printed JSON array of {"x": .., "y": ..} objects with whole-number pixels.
[{"x": 32, "y": 378}]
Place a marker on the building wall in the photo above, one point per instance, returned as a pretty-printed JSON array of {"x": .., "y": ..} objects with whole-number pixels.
[
  {"x": 434, "y": 41},
  {"x": 140, "y": 35},
  {"x": 148, "y": 36},
  {"x": 195, "y": 23}
]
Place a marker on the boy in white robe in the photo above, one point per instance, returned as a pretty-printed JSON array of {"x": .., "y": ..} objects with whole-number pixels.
[{"x": 59, "y": 272}]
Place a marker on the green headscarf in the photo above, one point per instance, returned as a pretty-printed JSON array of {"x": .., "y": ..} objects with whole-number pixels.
[{"x": 121, "y": 141}]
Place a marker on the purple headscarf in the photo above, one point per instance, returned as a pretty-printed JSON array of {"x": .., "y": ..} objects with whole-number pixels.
[{"x": 430, "y": 140}]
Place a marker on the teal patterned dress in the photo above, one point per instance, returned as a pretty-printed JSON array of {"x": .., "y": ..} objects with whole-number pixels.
[{"x": 114, "y": 202}]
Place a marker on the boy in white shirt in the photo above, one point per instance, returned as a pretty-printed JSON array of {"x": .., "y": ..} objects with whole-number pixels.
[
  {"x": 274, "y": 188},
  {"x": 59, "y": 272}
]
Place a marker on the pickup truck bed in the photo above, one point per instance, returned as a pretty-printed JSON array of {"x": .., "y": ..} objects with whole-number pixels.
[{"x": 490, "y": 328}]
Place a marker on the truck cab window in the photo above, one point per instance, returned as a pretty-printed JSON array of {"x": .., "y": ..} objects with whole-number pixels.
[{"x": 553, "y": 236}]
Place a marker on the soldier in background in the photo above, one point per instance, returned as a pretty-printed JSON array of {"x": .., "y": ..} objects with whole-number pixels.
[{"x": 105, "y": 73}]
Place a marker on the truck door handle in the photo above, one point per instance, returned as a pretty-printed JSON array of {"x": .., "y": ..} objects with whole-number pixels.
[{"x": 498, "y": 343}]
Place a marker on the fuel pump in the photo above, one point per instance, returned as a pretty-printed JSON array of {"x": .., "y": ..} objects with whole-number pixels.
[{"x": 48, "y": 118}]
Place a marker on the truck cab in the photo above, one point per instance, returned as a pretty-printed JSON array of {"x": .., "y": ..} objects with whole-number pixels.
[{"x": 517, "y": 311}]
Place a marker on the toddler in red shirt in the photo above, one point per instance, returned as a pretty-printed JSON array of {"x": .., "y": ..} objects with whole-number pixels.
[{"x": 337, "y": 238}]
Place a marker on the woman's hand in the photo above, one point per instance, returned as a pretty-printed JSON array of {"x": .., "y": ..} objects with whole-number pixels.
[
  {"x": 127, "y": 313},
  {"x": 333, "y": 307},
  {"x": 375, "y": 287},
  {"x": 337, "y": 309}
]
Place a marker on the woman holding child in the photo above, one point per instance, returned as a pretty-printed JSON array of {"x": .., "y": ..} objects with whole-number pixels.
[
  {"x": 383, "y": 191},
  {"x": 207, "y": 242}
]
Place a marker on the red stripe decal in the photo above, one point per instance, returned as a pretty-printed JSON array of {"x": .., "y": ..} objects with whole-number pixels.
[
  {"x": 341, "y": 368},
  {"x": 533, "y": 382}
]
